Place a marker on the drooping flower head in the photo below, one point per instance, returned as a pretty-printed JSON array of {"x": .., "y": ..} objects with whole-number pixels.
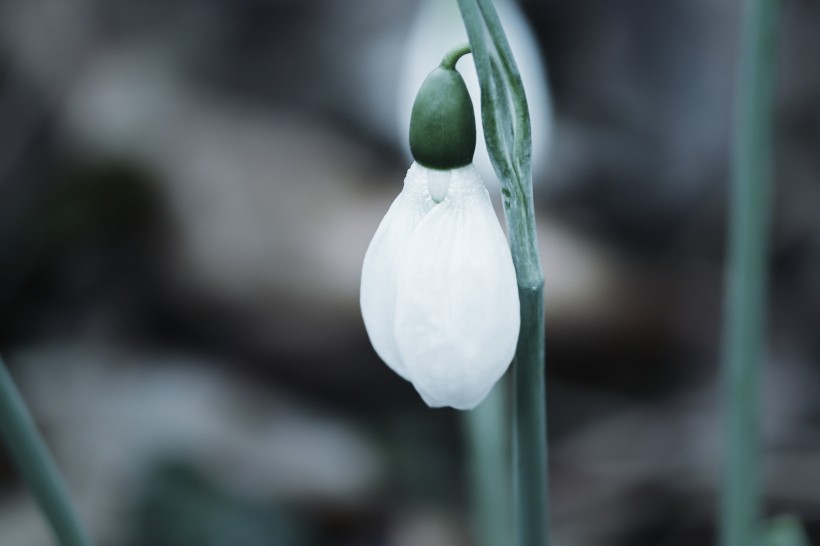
[{"x": 438, "y": 294}]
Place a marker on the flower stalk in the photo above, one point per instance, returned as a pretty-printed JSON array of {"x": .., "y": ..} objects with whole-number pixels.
[
  {"x": 451, "y": 58},
  {"x": 32, "y": 458},
  {"x": 745, "y": 282},
  {"x": 507, "y": 132}
]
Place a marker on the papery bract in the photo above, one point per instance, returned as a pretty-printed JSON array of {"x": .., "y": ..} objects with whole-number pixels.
[{"x": 435, "y": 27}]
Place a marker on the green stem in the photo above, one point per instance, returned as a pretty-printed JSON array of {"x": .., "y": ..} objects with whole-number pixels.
[
  {"x": 34, "y": 462},
  {"x": 746, "y": 275},
  {"x": 451, "y": 58},
  {"x": 488, "y": 442},
  {"x": 530, "y": 423},
  {"x": 506, "y": 122}
]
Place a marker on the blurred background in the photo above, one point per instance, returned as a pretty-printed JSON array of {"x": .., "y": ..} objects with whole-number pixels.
[{"x": 187, "y": 190}]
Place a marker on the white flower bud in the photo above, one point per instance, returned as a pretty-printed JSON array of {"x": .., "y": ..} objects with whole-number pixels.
[{"x": 439, "y": 295}]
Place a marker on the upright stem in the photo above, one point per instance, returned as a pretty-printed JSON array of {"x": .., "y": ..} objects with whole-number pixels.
[
  {"x": 746, "y": 275},
  {"x": 507, "y": 133},
  {"x": 34, "y": 462},
  {"x": 530, "y": 422}
]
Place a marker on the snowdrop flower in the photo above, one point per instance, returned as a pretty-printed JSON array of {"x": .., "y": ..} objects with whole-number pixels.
[{"x": 439, "y": 295}]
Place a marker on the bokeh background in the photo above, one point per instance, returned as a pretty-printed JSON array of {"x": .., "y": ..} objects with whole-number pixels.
[{"x": 187, "y": 190}]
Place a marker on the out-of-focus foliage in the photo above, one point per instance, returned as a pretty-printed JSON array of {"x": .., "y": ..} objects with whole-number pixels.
[
  {"x": 785, "y": 531},
  {"x": 181, "y": 506},
  {"x": 187, "y": 190}
]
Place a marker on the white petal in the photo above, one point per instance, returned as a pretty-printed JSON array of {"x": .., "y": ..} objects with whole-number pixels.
[
  {"x": 381, "y": 265},
  {"x": 457, "y": 310}
]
